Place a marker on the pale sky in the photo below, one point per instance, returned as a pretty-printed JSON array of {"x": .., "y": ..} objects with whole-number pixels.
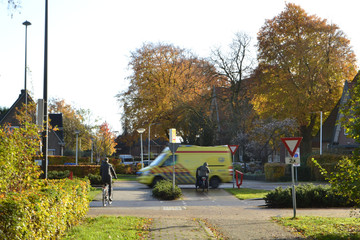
[{"x": 90, "y": 41}]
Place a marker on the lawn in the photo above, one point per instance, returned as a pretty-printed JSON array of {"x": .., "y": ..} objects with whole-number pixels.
[
  {"x": 323, "y": 227},
  {"x": 94, "y": 192},
  {"x": 125, "y": 177},
  {"x": 247, "y": 193},
  {"x": 110, "y": 227}
]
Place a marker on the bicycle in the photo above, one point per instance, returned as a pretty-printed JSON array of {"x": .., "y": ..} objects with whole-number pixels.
[{"x": 105, "y": 195}]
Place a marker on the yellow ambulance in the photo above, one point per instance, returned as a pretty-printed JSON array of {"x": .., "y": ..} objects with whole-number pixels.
[{"x": 187, "y": 159}]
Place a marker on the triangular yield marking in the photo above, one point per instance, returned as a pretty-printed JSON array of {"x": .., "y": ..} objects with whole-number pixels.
[
  {"x": 291, "y": 144},
  {"x": 233, "y": 148}
]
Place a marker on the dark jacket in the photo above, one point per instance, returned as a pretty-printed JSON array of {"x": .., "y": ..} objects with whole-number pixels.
[
  {"x": 202, "y": 171},
  {"x": 107, "y": 172}
]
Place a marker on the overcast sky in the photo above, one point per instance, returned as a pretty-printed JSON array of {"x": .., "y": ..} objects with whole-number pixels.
[{"x": 90, "y": 41}]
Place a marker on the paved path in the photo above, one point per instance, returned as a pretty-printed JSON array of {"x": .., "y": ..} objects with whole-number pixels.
[{"x": 198, "y": 215}]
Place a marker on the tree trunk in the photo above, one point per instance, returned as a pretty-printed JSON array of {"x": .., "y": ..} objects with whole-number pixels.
[{"x": 306, "y": 143}]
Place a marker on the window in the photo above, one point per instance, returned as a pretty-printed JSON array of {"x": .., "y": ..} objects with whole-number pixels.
[{"x": 169, "y": 161}]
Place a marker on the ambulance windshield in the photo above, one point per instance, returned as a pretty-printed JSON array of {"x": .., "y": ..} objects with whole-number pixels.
[{"x": 159, "y": 159}]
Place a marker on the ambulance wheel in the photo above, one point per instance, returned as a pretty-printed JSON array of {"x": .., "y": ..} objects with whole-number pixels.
[
  {"x": 215, "y": 182},
  {"x": 156, "y": 179}
]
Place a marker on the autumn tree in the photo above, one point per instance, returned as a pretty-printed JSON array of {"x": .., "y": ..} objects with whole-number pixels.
[
  {"x": 234, "y": 67},
  {"x": 263, "y": 139},
  {"x": 73, "y": 119},
  {"x": 167, "y": 85},
  {"x": 303, "y": 62},
  {"x": 104, "y": 141}
]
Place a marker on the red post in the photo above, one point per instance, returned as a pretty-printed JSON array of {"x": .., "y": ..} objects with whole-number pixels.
[
  {"x": 71, "y": 176},
  {"x": 237, "y": 178}
]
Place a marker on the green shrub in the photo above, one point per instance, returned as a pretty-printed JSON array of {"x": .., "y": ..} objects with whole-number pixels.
[
  {"x": 327, "y": 161},
  {"x": 307, "y": 196},
  {"x": 18, "y": 149},
  {"x": 164, "y": 190},
  {"x": 58, "y": 174},
  {"x": 44, "y": 213},
  {"x": 274, "y": 171},
  {"x": 95, "y": 179},
  {"x": 125, "y": 169}
]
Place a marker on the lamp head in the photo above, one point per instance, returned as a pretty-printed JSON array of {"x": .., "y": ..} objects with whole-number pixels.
[
  {"x": 27, "y": 23},
  {"x": 140, "y": 130}
]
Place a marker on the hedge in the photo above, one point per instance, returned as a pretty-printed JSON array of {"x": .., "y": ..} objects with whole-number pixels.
[
  {"x": 307, "y": 196},
  {"x": 44, "y": 213},
  {"x": 327, "y": 161},
  {"x": 274, "y": 171},
  {"x": 77, "y": 170},
  {"x": 61, "y": 160}
]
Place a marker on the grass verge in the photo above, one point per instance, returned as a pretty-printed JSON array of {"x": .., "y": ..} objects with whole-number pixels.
[
  {"x": 322, "y": 228},
  {"x": 125, "y": 177},
  {"x": 93, "y": 192},
  {"x": 111, "y": 227},
  {"x": 247, "y": 193}
]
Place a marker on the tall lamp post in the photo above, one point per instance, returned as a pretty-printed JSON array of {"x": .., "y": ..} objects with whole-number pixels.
[
  {"x": 77, "y": 134},
  {"x": 26, "y": 24},
  {"x": 45, "y": 98},
  {"x": 92, "y": 149},
  {"x": 141, "y": 130}
]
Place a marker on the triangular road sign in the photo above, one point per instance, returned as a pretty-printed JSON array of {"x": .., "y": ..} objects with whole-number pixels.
[
  {"x": 233, "y": 148},
  {"x": 291, "y": 144}
]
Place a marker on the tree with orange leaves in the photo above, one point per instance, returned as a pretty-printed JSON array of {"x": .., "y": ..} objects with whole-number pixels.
[
  {"x": 168, "y": 86},
  {"x": 104, "y": 141},
  {"x": 303, "y": 63}
]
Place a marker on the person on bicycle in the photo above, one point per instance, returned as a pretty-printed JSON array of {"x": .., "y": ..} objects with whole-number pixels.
[
  {"x": 107, "y": 172},
  {"x": 202, "y": 171}
]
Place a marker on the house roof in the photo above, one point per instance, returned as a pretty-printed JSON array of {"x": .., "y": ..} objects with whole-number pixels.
[
  {"x": 331, "y": 126},
  {"x": 56, "y": 120},
  {"x": 20, "y": 99}
]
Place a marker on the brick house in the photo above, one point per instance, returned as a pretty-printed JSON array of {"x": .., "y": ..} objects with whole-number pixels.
[
  {"x": 56, "y": 138},
  {"x": 334, "y": 134}
]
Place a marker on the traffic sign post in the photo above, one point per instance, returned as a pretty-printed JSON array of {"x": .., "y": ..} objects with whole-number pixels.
[
  {"x": 173, "y": 147},
  {"x": 233, "y": 149},
  {"x": 292, "y": 144}
]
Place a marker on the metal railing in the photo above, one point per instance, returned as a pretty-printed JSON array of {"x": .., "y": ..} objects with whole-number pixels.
[{"x": 238, "y": 184}]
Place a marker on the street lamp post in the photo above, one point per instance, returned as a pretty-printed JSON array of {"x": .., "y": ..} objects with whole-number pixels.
[
  {"x": 26, "y": 24},
  {"x": 76, "y": 158},
  {"x": 141, "y": 130},
  {"x": 92, "y": 149},
  {"x": 45, "y": 98}
]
